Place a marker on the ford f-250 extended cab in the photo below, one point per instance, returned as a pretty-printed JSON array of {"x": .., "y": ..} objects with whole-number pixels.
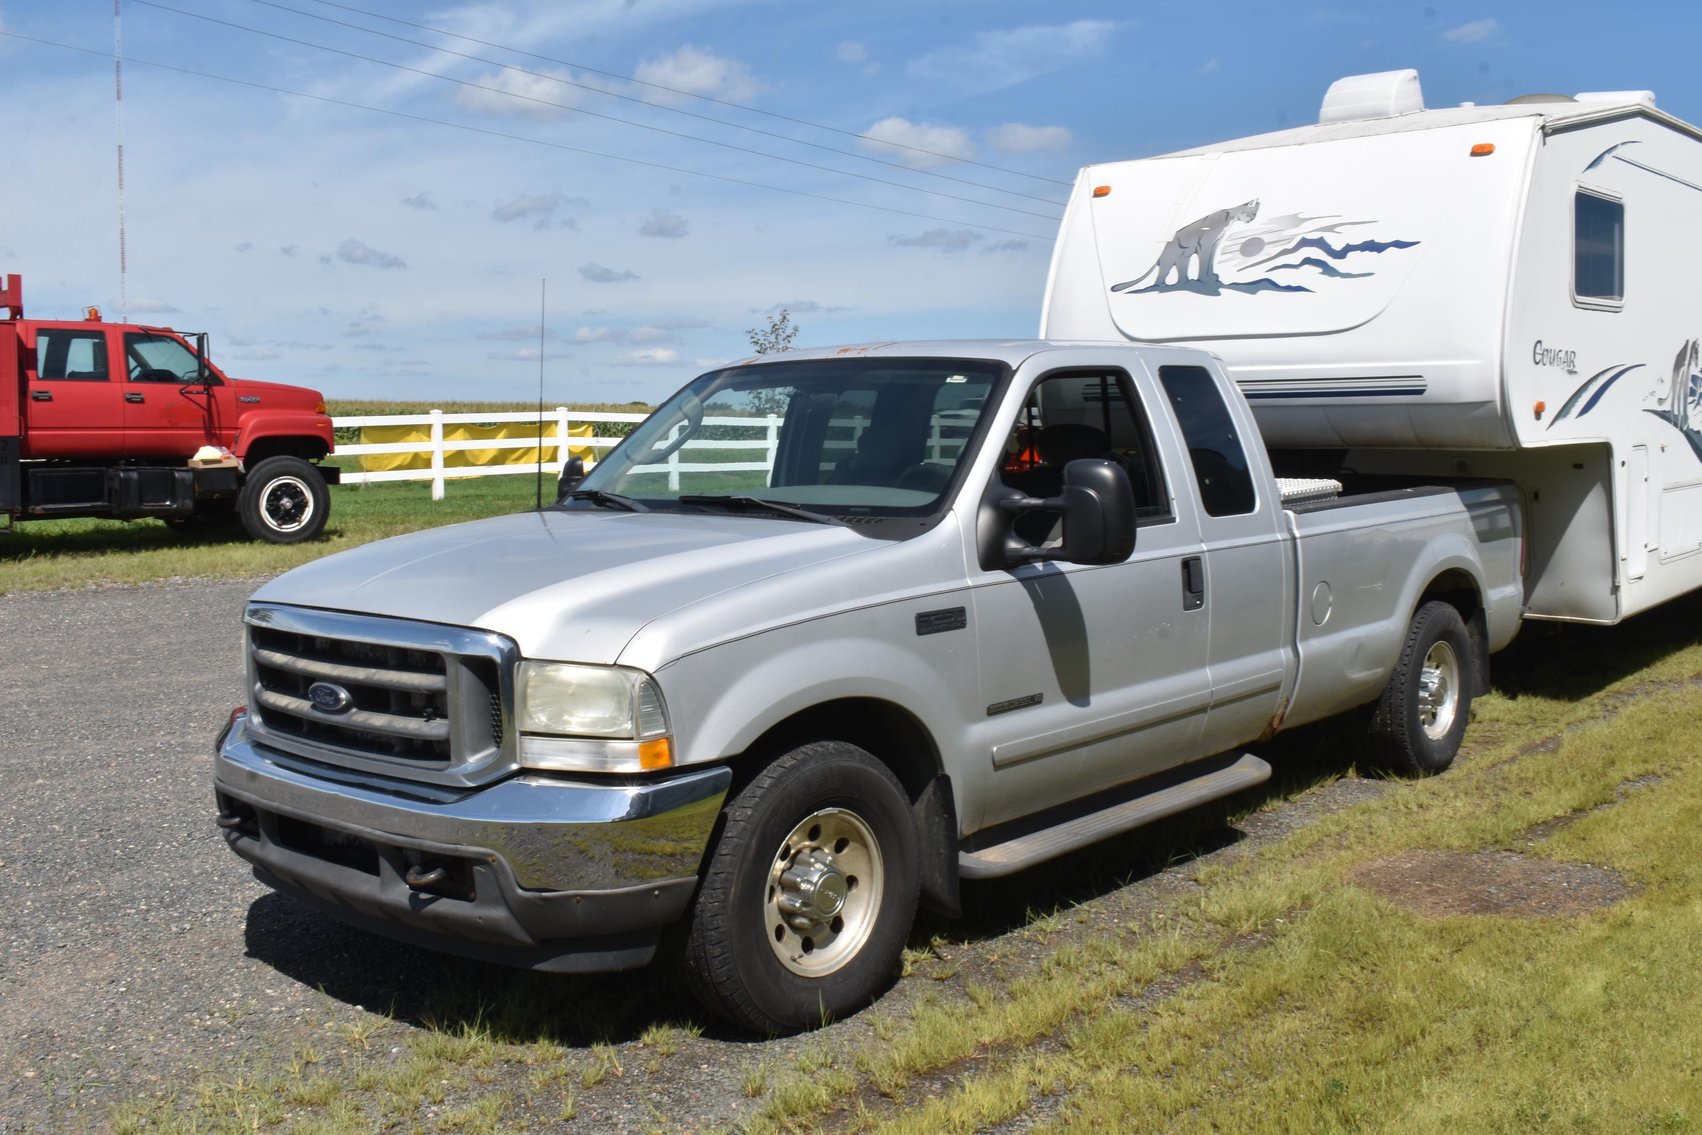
[
  {"x": 125, "y": 421},
  {"x": 976, "y": 605}
]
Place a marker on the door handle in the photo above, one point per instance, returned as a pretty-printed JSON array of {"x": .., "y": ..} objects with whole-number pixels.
[
  {"x": 41, "y": 396},
  {"x": 134, "y": 397},
  {"x": 1193, "y": 583}
]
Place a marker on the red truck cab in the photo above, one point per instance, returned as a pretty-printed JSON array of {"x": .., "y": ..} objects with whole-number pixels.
[{"x": 128, "y": 420}]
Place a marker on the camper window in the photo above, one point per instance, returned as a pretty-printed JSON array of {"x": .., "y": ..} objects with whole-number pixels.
[{"x": 1598, "y": 250}]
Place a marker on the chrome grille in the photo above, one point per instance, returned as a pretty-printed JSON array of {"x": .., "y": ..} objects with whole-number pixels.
[{"x": 412, "y": 699}]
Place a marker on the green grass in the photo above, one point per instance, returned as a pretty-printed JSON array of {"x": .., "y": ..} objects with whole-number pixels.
[{"x": 42, "y": 555}]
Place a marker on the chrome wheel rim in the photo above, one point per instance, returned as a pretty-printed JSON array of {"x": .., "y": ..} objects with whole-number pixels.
[
  {"x": 287, "y": 504},
  {"x": 824, "y": 890},
  {"x": 1438, "y": 691}
]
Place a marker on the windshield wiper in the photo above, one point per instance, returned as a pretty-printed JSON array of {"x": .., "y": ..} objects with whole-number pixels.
[
  {"x": 608, "y": 500},
  {"x": 737, "y": 501}
]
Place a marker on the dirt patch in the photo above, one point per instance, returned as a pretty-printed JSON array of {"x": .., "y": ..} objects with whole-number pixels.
[{"x": 1440, "y": 883}]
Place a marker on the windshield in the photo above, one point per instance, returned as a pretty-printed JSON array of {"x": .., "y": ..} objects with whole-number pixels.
[{"x": 881, "y": 437}]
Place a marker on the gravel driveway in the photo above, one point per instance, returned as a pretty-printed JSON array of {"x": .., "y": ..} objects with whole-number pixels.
[{"x": 137, "y": 954}]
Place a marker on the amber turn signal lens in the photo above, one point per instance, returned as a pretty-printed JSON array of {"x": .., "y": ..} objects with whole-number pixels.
[
  {"x": 1102, "y": 191},
  {"x": 1483, "y": 149}
]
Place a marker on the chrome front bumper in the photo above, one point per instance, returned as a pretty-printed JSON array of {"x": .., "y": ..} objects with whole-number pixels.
[{"x": 543, "y": 871}]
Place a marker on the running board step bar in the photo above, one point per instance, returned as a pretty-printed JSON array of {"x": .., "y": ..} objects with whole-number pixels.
[{"x": 1157, "y": 798}]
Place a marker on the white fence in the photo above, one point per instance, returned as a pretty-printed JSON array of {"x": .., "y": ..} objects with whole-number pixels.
[
  {"x": 554, "y": 427},
  {"x": 553, "y": 432}
]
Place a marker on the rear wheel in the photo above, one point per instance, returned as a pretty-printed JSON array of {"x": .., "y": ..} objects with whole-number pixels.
[
  {"x": 1418, "y": 722},
  {"x": 809, "y": 893},
  {"x": 284, "y": 501}
]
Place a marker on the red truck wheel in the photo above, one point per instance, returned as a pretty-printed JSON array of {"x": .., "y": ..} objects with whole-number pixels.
[{"x": 284, "y": 501}]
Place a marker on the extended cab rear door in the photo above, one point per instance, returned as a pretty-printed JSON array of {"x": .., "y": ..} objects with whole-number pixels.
[
  {"x": 1247, "y": 581},
  {"x": 73, "y": 406}
]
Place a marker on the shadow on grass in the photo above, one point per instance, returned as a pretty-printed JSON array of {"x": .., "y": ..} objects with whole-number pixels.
[
  {"x": 450, "y": 994},
  {"x": 1301, "y": 759},
  {"x": 1570, "y": 661},
  {"x": 103, "y": 537}
]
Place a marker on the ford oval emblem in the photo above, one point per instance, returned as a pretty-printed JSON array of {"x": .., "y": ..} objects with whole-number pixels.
[{"x": 327, "y": 697}]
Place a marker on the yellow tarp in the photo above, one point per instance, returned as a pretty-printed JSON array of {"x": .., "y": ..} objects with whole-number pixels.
[{"x": 463, "y": 458}]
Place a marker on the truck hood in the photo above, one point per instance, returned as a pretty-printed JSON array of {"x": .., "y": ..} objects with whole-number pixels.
[
  {"x": 275, "y": 394},
  {"x": 574, "y": 586}
]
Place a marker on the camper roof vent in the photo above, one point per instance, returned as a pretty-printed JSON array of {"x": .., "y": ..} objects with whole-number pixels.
[
  {"x": 1540, "y": 97},
  {"x": 1642, "y": 98},
  {"x": 1383, "y": 95}
]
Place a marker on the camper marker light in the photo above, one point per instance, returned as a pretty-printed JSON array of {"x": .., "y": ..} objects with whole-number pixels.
[
  {"x": 1483, "y": 149},
  {"x": 1539, "y": 408},
  {"x": 1102, "y": 191}
]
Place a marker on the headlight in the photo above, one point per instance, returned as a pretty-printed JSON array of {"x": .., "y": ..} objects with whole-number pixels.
[{"x": 591, "y": 719}]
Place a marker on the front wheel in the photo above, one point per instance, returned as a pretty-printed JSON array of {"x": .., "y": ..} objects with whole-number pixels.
[
  {"x": 284, "y": 501},
  {"x": 808, "y": 895},
  {"x": 1421, "y": 717}
]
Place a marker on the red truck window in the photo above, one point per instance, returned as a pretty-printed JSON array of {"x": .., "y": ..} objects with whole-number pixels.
[
  {"x": 61, "y": 353},
  {"x": 159, "y": 358}
]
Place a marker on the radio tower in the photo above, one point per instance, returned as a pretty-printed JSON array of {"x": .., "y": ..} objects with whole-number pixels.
[{"x": 118, "y": 99}]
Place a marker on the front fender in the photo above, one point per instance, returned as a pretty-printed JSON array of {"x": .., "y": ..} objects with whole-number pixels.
[
  {"x": 313, "y": 430},
  {"x": 724, "y": 699}
]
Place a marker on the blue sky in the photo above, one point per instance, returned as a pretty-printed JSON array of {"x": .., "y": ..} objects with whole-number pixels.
[{"x": 387, "y": 238}]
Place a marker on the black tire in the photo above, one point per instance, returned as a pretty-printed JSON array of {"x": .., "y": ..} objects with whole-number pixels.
[
  {"x": 1418, "y": 722},
  {"x": 284, "y": 501},
  {"x": 808, "y": 895}
]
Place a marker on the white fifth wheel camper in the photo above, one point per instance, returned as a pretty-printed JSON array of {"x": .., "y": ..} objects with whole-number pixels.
[{"x": 1481, "y": 291}]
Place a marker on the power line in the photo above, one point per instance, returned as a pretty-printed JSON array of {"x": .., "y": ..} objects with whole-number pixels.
[
  {"x": 133, "y": 60},
  {"x": 691, "y": 94},
  {"x": 591, "y": 113},
  {"x": 656, "y": 106}
]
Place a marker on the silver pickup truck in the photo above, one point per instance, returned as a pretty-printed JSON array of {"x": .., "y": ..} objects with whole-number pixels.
[{"x": 828, "y": 633}]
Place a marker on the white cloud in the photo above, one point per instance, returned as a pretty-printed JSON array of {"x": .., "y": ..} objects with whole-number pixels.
[
  {"x": 661, "y": 223},
  {"x": 696, "y": 72},
  {"x": 650, "y": 356},
  {"x": 1475, "y": 32},
  {"x": 598, "y": 274},
  {"x": 359, "y": 252},
  {"x": 993, "y": 60},
  {"x": 245, "y": 246},
  {"x": 540, "y": 209},
  {"x": 1016, "y": 138},
  {"x": 146, "y": 306},
  {"x": 1209, "y": 66},
  {"x": 637, "y": 335},
  {"x": 1007, "y": 246},
  {"x": 421, "y": 201},
  {"x": 515, "y": 335},
  {"x": 943, "y": 240},
  {"x": 534, "y": 95},
  {"x": 851, "y": 52},
  {"x": 926, "y": 145}
]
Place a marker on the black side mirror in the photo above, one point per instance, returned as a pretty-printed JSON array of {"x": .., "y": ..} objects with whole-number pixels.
[
  {"x": 572, "y": 472},
  {"x": 1097, "y": 506}
]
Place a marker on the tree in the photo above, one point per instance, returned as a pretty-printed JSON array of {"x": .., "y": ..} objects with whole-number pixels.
[{"x": 777, "y": 336}]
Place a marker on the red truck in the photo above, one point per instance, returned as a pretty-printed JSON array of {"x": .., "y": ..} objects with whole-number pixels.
[{"x": 122, "y": 420}]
